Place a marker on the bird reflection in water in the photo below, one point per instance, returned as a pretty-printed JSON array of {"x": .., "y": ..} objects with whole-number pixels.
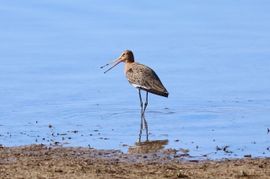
[{"x": 148, "y": 146}]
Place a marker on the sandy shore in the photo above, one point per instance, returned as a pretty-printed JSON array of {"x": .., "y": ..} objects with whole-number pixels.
[{"x": 40, "y": 161}]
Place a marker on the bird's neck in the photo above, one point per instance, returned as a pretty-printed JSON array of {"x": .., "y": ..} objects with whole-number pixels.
[{"x": 128, "y": 65}]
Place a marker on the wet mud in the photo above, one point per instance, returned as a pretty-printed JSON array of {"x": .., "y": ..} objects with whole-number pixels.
[{"x": 41, "y": 161}]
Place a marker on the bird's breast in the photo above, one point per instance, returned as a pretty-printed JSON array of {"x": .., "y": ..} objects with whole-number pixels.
[{"x": 128, "y": 66}]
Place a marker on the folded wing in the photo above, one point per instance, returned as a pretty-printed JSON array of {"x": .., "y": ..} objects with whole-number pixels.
[{"x": 143, "y": 77}]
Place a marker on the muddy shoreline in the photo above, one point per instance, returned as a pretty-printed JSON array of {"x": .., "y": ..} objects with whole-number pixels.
[{"x": 40, "y": 161}]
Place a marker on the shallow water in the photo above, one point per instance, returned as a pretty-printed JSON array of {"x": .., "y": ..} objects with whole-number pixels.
[{"x": 213, "y": 57}]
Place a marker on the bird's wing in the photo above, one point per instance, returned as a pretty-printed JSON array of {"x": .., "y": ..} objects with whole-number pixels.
[{"x": 144, "y": 77}]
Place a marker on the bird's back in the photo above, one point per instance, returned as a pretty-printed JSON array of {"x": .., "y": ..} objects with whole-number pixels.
[{"x": 146, "y": 79}]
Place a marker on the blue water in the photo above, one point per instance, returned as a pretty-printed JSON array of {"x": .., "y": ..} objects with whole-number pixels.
[{"x": 212, "y": 56}]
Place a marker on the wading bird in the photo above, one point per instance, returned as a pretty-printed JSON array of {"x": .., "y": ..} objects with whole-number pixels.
[{"x": 142, "y": 78}]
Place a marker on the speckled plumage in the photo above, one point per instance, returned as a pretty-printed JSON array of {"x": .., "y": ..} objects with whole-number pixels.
[{"x": 145, "y": 78}]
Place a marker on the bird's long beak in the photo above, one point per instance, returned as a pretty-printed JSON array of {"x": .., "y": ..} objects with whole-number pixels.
[{"x": 113, "y": 63}]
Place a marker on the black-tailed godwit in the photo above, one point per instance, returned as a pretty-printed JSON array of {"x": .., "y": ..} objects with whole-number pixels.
[{"x": 143, "y": 78}]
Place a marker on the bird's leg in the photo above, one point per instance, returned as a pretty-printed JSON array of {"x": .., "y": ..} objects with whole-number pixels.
[
  {"x": 144, "y": 120},
  {"x": 146, "y": 103},
  {"x": 141, "y": 103}
]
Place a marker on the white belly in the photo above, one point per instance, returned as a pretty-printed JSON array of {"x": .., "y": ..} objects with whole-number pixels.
[{"x": 138, "y": 86}]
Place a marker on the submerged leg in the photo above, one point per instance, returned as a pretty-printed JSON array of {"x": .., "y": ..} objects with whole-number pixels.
[
  {"x": 141, "y": 103},
  {"x": 144, "y": 120}
]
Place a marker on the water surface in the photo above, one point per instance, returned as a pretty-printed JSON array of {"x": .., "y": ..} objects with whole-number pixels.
[{"x": 212, "y": 56}]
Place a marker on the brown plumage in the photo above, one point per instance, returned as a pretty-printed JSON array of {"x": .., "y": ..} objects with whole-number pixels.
[{"x": 142, "y": 78}]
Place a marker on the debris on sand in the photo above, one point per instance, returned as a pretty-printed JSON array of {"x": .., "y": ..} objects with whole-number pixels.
[
  {"x": 224, "y": 149},
  {"x": 40, "y": 161}
]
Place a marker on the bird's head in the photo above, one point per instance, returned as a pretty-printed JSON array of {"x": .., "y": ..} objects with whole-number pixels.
[{"x": 126, "y": 57}]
